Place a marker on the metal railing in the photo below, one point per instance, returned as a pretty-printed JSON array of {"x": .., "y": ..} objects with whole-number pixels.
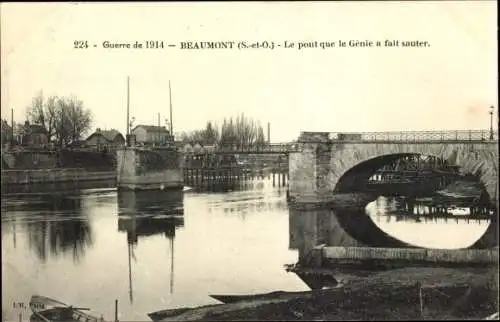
[
  {"x": 268, "y": 148},
  {"x": 478, "y": 136},
  {"x": 401, "y": 136}
]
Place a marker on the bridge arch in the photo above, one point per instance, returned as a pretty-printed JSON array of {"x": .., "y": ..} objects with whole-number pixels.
[{"x": 480, "y": 160}]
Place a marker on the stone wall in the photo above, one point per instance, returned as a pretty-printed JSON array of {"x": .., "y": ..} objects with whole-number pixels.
[
  {"x": 19, "y": 177},
  {"x": 331, "y": 255},
  {"x": 30, "y": 159},
  {"x": 302, "y": 174},
  {"x": 43, "y": 159}
]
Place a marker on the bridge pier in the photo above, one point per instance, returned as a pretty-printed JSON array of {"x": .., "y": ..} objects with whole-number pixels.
[{"x": 148, "y": 169}]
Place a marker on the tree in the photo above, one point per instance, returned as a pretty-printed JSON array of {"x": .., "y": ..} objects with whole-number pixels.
[
  {"x": 211, "y": 134},
  {"x": 76, "y": 120},
  {"x": 64, "y": 118},
  {"x": 43, "y": 113},
  {"x": 6, "y": 132},
  {"x": 241, "y": 133}
]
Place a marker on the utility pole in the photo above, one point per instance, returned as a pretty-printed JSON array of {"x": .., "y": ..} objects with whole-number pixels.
[
  {"x": 128, "y": 105},
  {"x": 491, "y": 122},
  {"x": 268, "y": 133},
  {"x": 12, "y": 126},
  {"x": 170, "y": 97},
  {"x": 159, "y": 133}
]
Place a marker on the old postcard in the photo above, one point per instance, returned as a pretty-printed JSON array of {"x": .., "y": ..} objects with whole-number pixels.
[{"x": 249, "y": 161}]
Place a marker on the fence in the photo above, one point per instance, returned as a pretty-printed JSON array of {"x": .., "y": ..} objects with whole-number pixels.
[
  {"x": 402, "y": 136},
  {"x": 265, "y": 149}
]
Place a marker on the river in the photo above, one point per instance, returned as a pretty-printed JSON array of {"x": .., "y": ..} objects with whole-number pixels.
[{"x": 156, "y": 250}]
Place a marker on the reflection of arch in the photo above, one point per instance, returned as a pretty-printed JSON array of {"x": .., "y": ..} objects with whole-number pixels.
[
  {"x": 475, "y": 159},
  {"x": 335, "y": 227},
  {"x": 350, "y": 228}
]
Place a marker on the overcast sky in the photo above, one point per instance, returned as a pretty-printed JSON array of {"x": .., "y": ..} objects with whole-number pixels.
[{"x": 449, "y": 85}]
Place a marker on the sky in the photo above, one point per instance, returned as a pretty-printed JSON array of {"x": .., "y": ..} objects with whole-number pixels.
[{"x": 446, "y": 86}]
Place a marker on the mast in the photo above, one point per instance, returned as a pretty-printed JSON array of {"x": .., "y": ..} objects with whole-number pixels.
[
  {"x": 130, "y": 274},
  {"x": 14, "y": 232},
  {"x": 170, "y": 97},
  {"x": 172, "y": 265},
  {"x": 128, "y": 105}
]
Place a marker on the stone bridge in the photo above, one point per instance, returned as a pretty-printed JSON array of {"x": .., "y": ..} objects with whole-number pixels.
[
  {"x": 330, "y": 165},
  {"x": 333, "y": 163}
]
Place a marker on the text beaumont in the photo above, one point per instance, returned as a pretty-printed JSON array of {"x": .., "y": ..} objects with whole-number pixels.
[{"x": 207, "y": 44}]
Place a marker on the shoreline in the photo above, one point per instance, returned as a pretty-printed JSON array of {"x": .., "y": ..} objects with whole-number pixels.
[{"x": 407, "y": 293}]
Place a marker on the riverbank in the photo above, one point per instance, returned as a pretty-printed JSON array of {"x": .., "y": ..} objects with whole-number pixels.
[{"x": 407, "y": 293}]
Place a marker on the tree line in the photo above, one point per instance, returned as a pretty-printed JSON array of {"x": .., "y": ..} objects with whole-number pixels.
[
  {"x": 64, "y": 119},
  {"x": 240, "y": 132}
]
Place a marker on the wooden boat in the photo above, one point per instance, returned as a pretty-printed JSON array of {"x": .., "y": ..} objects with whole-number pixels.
[
  {"x": 227, "y": 299},
  {"x": 239, "y": 298},
  {"x": 49, "y": 310},
  {"x": 494, "y": 316},
  {"x": 163, "y": 314}
]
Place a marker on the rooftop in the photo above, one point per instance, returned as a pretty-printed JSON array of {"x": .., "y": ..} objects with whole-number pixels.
[
  {"x": 152, "y": 128},
  {"x": 109, "y": 135}
]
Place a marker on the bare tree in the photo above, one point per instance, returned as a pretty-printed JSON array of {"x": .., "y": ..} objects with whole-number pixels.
[
  {"x": 43, "y": 112},
  {"x": 64, "y": 118},
  {"x": 241, "y": 133},
  {"x": 76, "y": 120}
]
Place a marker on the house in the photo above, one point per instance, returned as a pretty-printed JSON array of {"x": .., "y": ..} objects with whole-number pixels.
[
  {"x": 107, "y": 138},
  {"x": 34, "y": 135},
  {"x": 151, "y": 134}
]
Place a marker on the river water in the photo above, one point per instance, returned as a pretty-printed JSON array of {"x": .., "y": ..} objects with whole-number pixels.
[{"x": 163, "y": 250}]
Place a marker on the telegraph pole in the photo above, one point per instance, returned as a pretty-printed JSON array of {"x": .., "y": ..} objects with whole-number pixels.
[
  {"x": 12, "y": 126},
  {"x": 268, "y": 133},
  {"x": 491, "y": 122},
  {"x": 128, "y": 105},
  {"x": 170, "y": 97},
  {"x": 159, "y": 125}
]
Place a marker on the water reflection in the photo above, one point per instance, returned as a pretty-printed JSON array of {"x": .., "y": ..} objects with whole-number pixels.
[
  {"x": 55, "y": 224},
  {"x": 152, "y": 251},
  {"x": 59, "y": 187},
  {"x": 148, "y": 213},
  {"x": 385, "y": 222},
  {"x": 424, "y": 223},
  {"x": 224, "y": 187}
]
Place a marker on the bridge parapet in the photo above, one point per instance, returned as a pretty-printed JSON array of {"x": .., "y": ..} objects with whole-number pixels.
[
  {"x": 274, "y": 148},
  {"x": 476, "y": 136}
]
